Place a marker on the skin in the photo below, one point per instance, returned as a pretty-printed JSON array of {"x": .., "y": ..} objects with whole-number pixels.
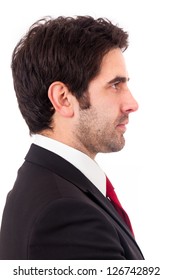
[{"x": 101, "y": 127}]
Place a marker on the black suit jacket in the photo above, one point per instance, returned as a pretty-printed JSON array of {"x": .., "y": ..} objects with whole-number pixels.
[{"x": 55, "y": 212}]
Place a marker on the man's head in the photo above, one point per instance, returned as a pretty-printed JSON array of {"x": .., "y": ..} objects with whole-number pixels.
[
  {"x": 69, "y": 50},
  {"x": 54, "y": 69}
]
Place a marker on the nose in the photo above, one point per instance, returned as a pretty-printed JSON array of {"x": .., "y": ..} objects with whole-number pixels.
[{"x": 129, "y": 103}]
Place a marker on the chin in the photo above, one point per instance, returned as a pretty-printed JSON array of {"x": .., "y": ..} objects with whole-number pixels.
[
  {"x": 113, "y": 149},
  {"x": 118, "y": 146}
]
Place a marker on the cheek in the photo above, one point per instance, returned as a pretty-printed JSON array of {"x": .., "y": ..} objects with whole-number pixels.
[
  {"x": 110, "y": 109},
  {"x": 107, "y": 103}
]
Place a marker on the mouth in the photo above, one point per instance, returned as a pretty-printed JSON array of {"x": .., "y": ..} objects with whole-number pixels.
[{"x": 122, "y": 126}]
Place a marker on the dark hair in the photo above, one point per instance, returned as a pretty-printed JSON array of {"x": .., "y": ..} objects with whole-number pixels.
[{"x": 64, "y": 49}]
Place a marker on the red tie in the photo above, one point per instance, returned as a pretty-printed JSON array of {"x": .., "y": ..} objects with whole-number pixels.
[{"x": 110, "y": 193}]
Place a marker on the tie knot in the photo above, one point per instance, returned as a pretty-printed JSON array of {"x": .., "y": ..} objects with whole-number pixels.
[{"x": 109, "y": 188}]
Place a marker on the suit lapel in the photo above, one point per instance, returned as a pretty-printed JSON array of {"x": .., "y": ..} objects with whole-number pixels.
[
  {"x": 109, "y": 208},
  {"x": 69, "y": 172}
]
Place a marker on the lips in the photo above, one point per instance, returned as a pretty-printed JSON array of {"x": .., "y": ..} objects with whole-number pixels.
[{"x": 122, "y": 125}]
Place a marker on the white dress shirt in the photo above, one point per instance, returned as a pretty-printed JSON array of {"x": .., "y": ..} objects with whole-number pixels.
[{"x": 81, "y": 161}]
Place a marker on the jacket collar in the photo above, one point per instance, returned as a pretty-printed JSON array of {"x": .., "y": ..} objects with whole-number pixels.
[{"x": 66, "y": 170}]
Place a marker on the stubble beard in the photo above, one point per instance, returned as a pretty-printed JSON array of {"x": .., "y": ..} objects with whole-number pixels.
[{"x": 98, "y": 135}]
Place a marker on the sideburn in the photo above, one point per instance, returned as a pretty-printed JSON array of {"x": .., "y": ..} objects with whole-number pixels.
[{"x": 84, "y": 101}]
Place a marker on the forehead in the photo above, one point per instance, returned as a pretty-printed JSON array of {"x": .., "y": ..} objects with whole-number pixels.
[{"x": 113, "y": 64}]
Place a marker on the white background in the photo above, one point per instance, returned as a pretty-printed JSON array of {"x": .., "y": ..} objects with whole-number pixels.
[{"x": 142, "y": 171}]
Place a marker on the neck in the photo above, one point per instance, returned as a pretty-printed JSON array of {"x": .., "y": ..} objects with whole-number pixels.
[{"x": 69, "y": 141}]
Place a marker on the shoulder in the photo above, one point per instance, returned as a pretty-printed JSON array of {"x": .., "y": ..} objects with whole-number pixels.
[{"x": 68, "y": 227}]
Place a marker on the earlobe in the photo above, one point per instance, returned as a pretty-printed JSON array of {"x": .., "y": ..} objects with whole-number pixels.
[{"x": 61, "y": 100}]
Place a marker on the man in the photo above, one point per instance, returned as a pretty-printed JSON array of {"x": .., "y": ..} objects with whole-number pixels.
[{"x": 71, "y": 81}]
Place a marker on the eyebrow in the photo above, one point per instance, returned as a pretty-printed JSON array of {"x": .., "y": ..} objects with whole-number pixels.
[{"x": 120, "y": 79}]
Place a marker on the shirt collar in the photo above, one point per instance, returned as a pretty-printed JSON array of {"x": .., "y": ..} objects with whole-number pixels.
[{"x": 81, "y": 161}]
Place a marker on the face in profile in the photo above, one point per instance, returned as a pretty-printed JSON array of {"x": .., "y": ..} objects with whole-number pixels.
[{"x": 101, "y": 128}]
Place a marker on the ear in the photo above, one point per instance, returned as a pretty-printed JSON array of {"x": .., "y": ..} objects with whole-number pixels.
[{"x": 61, "y": 99}]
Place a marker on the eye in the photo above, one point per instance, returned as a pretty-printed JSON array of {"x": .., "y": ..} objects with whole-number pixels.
[{"x": 116, "y": 85}]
